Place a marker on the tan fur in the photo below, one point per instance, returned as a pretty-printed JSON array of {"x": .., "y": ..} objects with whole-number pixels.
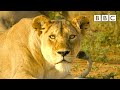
[{"x": 29, "y": 49}]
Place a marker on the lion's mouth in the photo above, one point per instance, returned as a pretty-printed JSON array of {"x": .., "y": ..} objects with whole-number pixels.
[{"x": 63, "y": 61}]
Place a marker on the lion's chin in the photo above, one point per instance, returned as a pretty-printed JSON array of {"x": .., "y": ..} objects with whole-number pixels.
[{"x": 63, "y": 67}]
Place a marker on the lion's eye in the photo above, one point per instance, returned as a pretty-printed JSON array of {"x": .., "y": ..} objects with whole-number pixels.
[
  {"x": 52, "y": 36},
  {"x": 72, "y": 36}
]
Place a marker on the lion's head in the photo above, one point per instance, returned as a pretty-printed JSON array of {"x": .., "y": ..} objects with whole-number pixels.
[{"x": 60, "y": 39}]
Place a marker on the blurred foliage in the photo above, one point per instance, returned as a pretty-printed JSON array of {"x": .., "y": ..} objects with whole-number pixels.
[
  {"x": 101, "y": 39},
  {"x": 53, "y": 14}
]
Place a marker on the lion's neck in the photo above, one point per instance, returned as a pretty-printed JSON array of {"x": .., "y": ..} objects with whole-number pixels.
[{"x": 53, "y": 73}]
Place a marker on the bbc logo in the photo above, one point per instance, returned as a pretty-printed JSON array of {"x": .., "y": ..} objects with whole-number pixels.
[{"x": 104, "y": 17}]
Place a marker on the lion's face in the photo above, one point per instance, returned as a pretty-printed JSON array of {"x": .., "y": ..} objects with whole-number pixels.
[{"x": 60, "y": 43}]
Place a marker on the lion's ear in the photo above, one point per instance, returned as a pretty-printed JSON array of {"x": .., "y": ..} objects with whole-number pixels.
[
  {"x": 40, "y": 22},
  {"x": 82, "y": 23}
]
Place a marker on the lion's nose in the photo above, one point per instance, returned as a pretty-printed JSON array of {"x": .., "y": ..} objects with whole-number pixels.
[{"x": 63, "y": 53}]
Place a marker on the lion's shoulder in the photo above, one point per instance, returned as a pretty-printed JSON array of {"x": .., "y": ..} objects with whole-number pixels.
[
  {"x": 24, "y": 24},
  {"x": 24, "y": 21}
]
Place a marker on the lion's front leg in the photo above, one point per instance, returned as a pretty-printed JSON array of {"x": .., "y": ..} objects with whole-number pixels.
[
  {"x": 69, "y": 76},
  {"x": 28, "y": 73},
  {"x": 23, "y": 76}
]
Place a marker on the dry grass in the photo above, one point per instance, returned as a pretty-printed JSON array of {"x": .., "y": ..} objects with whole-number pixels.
[{"x": 100, "y": 70}]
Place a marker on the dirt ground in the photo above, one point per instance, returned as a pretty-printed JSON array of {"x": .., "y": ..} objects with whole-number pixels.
[{"x": 100, "y": 70}]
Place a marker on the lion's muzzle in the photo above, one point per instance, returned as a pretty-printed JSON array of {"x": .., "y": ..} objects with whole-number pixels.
[{"x": 63, "y": 53}]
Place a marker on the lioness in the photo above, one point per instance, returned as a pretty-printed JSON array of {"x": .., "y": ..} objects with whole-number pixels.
[{"x": 40, "y": 48}]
